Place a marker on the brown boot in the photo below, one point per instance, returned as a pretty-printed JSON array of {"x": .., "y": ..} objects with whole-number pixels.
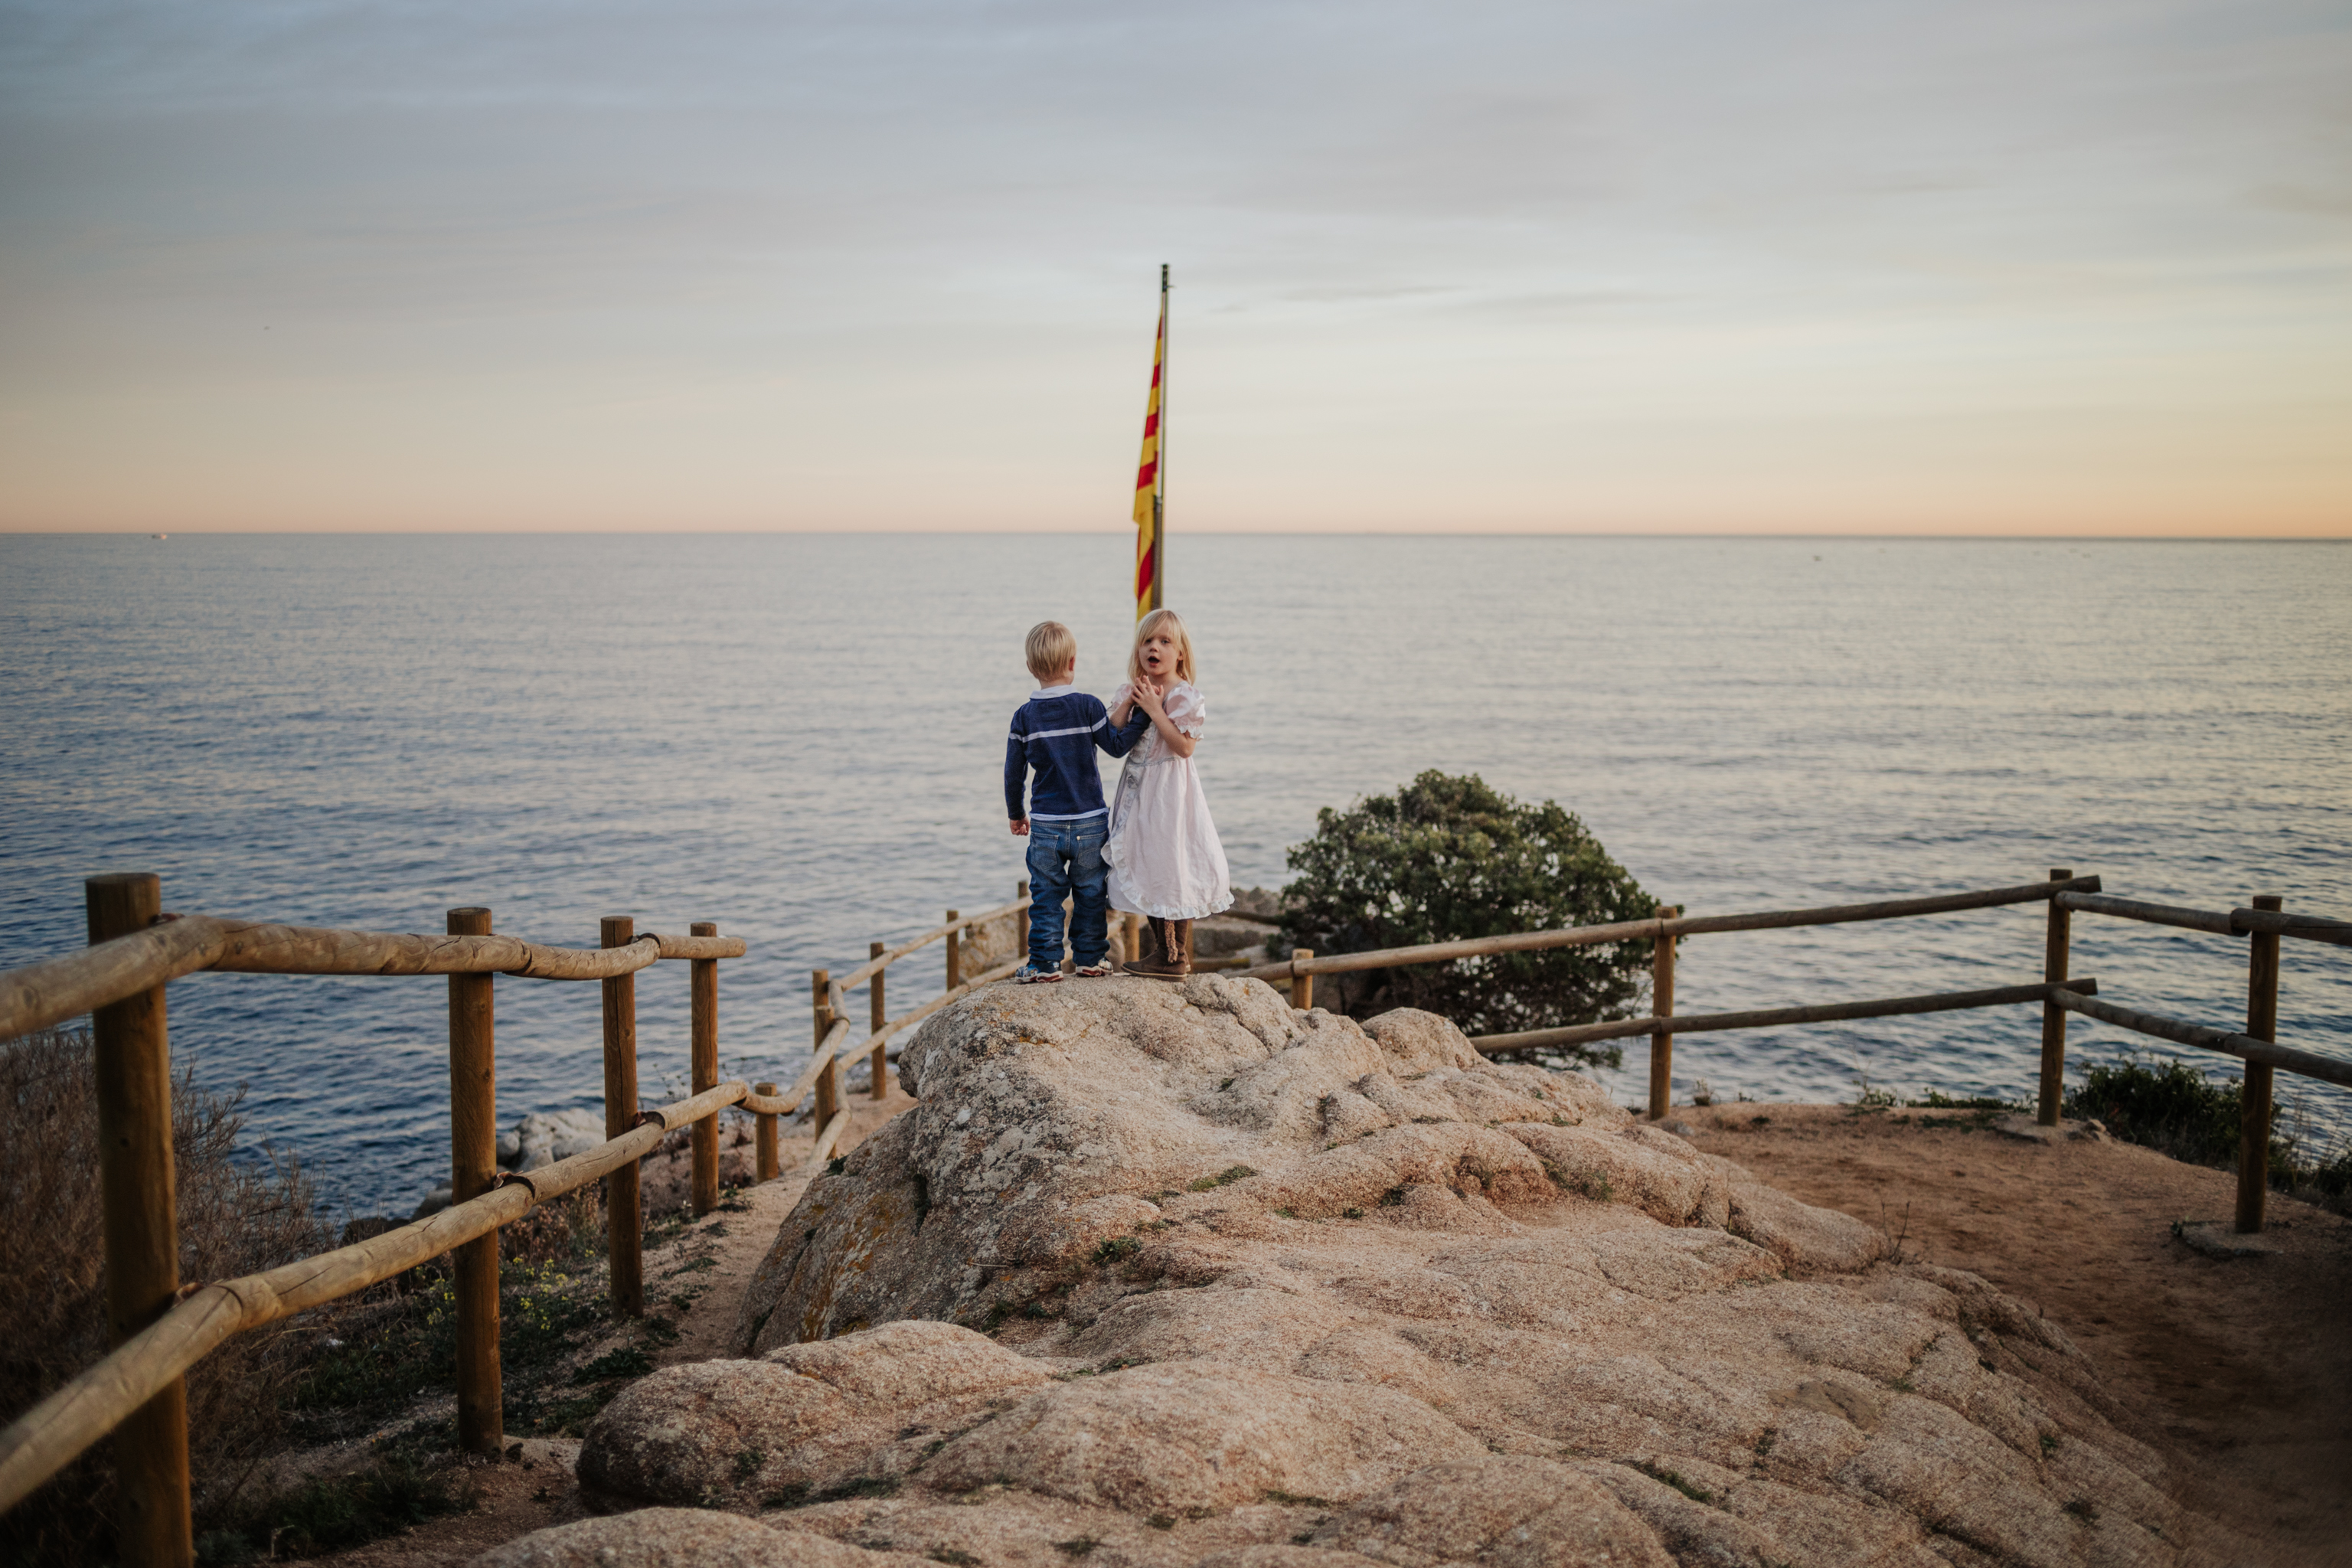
[
  {"x": 1180, "y": 947},
  {"x": 1164, "y": 958}
]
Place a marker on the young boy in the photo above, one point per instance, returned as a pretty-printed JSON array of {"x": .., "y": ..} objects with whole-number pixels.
[{"x": 1054, "y": 735}]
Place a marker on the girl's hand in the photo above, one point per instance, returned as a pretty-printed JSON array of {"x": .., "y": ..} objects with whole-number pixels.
[{"x": 1146, "y": 697}]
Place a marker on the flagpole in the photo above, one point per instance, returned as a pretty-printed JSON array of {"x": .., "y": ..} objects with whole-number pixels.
[{"x": 1160, "y": 476}]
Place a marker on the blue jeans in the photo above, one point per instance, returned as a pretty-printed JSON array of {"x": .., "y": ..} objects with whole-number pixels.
[{"x": 1066, "y": 861}]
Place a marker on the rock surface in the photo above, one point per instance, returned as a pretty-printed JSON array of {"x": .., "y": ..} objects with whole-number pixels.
[{"x": 1275, "y": 1291}]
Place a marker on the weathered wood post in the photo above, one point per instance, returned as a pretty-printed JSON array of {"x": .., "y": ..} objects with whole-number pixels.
[
  {"x": 703, "y": 1034},
  {"x": 1662, "y": 1005},
  {"x": 138, "y": 1202},
  {"x": 2255, "y": 1100},
  {"x": 624, "y": 1221},
  {"x": 1021, "y": 891},
  {"x": 879, "y": 1069},
  {"x": 2054, "y": 1016},
  {"x": 955, "y": 951},
  {"x": 764, "y": 1147},
  {"x": 473, "y": 1166},
  {"x": 1302, "y": 987},
  {"x": 828, "y": 1076}
]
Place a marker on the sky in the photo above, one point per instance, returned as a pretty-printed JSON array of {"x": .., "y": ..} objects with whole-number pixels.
[{"x": 1684, "y": 265}]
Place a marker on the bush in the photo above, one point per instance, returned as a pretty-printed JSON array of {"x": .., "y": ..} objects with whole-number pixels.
[
  {"x": 236, "y": 1216},
  {"x": 2172, "y": 1107},
  {"x": 1446, "y": 859}
]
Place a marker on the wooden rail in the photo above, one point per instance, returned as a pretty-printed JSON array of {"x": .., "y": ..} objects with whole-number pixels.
[
  {"x": 158, "y": 1329},
  {"x": 1657, "y": 929},
  {"x": 1773, "y": 1017}
]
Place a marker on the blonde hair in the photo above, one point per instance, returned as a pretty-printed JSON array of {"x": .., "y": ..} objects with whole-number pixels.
[
  {"x": 1050, "y": 648},
  {"x": 1162, "y": 620}
]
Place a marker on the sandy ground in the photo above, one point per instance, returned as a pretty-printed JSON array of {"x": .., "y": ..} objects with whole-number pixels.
[{"x": 2241, "y": 1368}]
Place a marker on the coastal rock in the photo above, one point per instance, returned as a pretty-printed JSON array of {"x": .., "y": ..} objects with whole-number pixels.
[
  {"x": 1182, "y": 1275},
  {"x": 683, "y": 1538}
]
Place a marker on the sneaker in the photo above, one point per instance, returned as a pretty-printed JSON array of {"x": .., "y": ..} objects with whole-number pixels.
[
  {"x": 1094, "y": 970},
  {"x": 1031, "y": 975}
]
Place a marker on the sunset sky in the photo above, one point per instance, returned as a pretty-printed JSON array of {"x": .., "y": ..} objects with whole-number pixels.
[{"x": 1993, "y": 266}]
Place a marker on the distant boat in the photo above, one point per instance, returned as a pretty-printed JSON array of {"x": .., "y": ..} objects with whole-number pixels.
[{"x": 158, "y": 536}]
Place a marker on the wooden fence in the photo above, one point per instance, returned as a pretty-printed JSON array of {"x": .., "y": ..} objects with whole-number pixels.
[
  {"x": 2264, "y": 924},
  {"x": 161, "y": 1327}
]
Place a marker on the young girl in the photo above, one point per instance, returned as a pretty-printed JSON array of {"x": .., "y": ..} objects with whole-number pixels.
[{"x": 1164, "y": 859}]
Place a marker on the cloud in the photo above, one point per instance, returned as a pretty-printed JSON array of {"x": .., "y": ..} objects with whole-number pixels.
[{"x": 821, "y": 264}]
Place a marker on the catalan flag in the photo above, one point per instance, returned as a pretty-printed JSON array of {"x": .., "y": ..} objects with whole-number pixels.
[{"x": 1147, "y": 486}]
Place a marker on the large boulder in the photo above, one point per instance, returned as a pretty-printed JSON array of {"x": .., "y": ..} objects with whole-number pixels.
[{"x": 1179, "y": 1275}]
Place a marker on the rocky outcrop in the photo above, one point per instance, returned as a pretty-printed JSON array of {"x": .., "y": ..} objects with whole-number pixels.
[{"x": 1172, "y": 1275}]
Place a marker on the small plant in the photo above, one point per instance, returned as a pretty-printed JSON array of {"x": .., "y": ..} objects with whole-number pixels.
[
  {"x": 2049, "y": 1444},
  {"x": 1116, "y": 1249},
  {"x": 1766, "y": 1441},
  {"x": 1393, "y": 1198},
  {"x": 335, "y": 1512},
  {"x": 1232, "y": 1174},
  {"x": 1660, "y": 1473},
  {"x": 747, "y": 1465},
  {"x": 1351, "y": 1213},
  {"x": 1161, "y": 1522},
  {"x": 626, "y": 1362},
  {"x": 2083, "y": 1508},
  {"x": 1869, "y": 1099},
  {"x": 953, "y": 1558},
  {"x": 1079, "y": 1548}
]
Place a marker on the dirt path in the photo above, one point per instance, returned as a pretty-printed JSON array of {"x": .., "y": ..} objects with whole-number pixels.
[{"x": 2241, "y": 1367}]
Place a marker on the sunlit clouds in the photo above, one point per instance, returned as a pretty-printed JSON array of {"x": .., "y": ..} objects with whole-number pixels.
[{"x": 1703, "y": 267}]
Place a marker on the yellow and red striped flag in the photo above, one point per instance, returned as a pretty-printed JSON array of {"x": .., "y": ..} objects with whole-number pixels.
[{"x": 1147, "y": 477}]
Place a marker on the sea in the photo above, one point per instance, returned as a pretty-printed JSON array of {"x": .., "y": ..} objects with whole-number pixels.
[{"x": 801, "y": 736}]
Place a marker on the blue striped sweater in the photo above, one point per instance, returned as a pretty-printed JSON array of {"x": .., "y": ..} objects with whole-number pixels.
[{"x": 1054, "y": 735}]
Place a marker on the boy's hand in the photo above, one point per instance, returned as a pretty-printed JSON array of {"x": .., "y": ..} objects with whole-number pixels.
[{"x": 1021, "y": 827}]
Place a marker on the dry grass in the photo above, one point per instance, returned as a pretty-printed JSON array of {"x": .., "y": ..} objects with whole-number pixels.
[{"x": 237, "y": 1214}]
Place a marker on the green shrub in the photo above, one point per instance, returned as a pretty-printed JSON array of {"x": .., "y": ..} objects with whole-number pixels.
[
  {"x": 2171, "y": 1107},
  {"x": 1447, "y": 858}
]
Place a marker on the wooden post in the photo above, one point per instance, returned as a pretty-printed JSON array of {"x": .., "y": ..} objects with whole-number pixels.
[
  {"x": 473, "y": 1166},
  {"x": 2254, "y": 1100},
  {"x": 703, "y": 1034},
  {"x": 955, "y": 951},
  {"x": 765, "y": 1148},
  {"x": 1021, "y": 890},
  {"x": 138, "y": 1203},
  {"x": 828, "y": 1078},
  {"x": 879, "y": 1069},
  {"x": 1132, "y": 947},
  {"x": 1662, "y": 1005},
  {"x": 624, "y": 1220},
  {"x": 2054, "y": 1016},
  {"x": 1302, "y": 987}
]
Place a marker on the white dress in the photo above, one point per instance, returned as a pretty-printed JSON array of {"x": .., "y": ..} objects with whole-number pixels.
[{"x": 1163, "y": 854}]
